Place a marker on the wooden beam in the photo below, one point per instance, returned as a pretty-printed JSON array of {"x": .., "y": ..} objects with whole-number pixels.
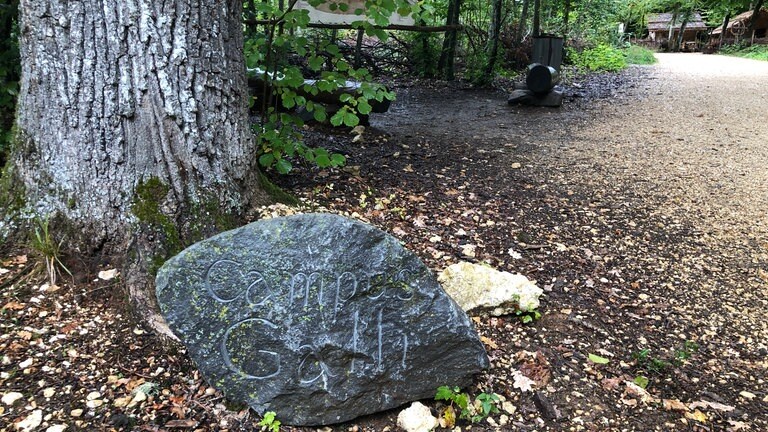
[{"x": 414, "y": 28}]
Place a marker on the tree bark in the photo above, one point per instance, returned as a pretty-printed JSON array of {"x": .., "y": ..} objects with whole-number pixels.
[
  {"x": 536, "y": 17},
  {"x": 725, "y": 28},
  {"x": 492, "y": 47},
  {"x": 566, "y": 18},
  {"x": 133, "y": 126},
  {"x": 519, "y": 33},
  {"x": 755, "y": 14},
  {"x": 448, "y": 53},
  {"x": 679, "y": 41}
]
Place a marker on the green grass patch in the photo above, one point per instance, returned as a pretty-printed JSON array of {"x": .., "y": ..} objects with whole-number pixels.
[
  {"x": 600, "y": 58},
  {"x": 638, "y": 55},
  {"x": 754, "y": 52}
]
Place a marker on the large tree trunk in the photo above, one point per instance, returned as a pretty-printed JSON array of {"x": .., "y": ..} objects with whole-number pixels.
[
  {"x": 133, "y": 126},
  {"x": 755, "y": 15},
  {"x": 448, "y": 53},
  {"x": 492, "y": 47},
  {"x": 726, "y": 19},
  {"x": 679, "y": 41},
  {"x": 536, "y": 18},
  {"x": 520, "y": 31}
]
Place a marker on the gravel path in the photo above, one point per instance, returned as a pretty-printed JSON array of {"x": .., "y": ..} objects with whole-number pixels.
[
  {"x": 690, "y": 144},
  {"x": 699, "y": 139}
]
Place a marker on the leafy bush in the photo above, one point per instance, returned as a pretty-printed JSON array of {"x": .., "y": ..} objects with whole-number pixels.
[
  {"x": 285, "y": 55},
  {"x": 755, "y": 52},
  {"x": 639, "y": 55},
  {"x": 10, "y": 71},
  {"x": 600, "y": 58}
]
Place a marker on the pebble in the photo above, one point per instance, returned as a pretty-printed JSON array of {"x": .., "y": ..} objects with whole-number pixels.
[
  {"x": 31, "y": 422},
  {"x": 747, "y": 395},
  {"x": 76, "y": 412},
  {"x": 56, "y": 428},
  {"x": 11, "y": 398}
]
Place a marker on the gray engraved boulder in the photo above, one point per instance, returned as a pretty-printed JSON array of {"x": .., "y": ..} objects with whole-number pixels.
[{"x": 316, "y": 317}]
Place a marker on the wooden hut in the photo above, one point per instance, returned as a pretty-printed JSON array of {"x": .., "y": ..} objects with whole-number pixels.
[
  {"x": 738, "y": 26},
  {"x": 659, "y": 26}
]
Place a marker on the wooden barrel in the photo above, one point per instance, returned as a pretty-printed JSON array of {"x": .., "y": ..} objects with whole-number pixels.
[{"x": 541, "y": 79}]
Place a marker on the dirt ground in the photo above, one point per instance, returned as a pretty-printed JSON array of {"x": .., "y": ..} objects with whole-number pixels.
[{"x": 639, "y": 207}]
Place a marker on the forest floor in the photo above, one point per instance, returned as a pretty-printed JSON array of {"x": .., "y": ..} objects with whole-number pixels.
[{"x": 639, "y": 207}]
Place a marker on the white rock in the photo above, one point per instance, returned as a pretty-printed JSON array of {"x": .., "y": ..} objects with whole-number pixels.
[
  {"x": 416, "y": 418},
  {"x": 49, "y": 392},
  {"x": 107, "y": 274},
  {"x": 475, "y": 286},
  {"x": 26, "y": 363},
  {"x": 31, "y": 422},
  {"x": 469, "y": 250},
  {"x": 11, "y": 398},
  {"x": 56, "y": 428}
]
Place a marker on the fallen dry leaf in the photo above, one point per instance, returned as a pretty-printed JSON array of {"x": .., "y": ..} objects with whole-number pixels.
[
  {"x": 713, "y": 405},
  {"x": 180, "y": 424},
  {"x": 673, "y": 405},
  {"x": 610, "y": 383},
  {"x": 13, "y": 305},
  {"x": 697, "y": 415},
  {"x": 489, "y": 342},
  {"x": 522, "y": 382}
]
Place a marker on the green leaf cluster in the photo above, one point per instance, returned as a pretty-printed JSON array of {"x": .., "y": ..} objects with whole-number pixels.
[
  {"x": 10, "y": 72},
  {"x": 483, "y": 406},
  {"x": 285, "y": 56},
  {"x": 269, "y": 422}
]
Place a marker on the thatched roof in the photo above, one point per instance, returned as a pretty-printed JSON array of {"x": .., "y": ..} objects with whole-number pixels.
[
  {"x": 741, "y": 18},
  {"x": 660, "y": 21}
]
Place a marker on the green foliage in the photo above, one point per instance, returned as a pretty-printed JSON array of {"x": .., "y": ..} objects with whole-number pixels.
[
  {"x": 641, "y": 381},
  {"x": 483, "y": 406},
  {"x": 600, "y": 58},
  {"x": 269, "y": 422},
  {"x": 754, "y": 52},
  {"x": 527, "y": 317},
  {"x": 284, "y": 57},
  {"x": 49, "y": 249},
  {"x": 659, "y": 365},
  {"x": 10, "y": 71},
  {"x": 639, "y": 55}
]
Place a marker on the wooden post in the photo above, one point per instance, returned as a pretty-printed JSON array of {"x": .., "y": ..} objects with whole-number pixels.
[{"x": 358, "y": 47}]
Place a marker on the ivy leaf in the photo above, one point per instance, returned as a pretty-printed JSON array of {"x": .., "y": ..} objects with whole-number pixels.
[
  {"x": 337, "y": 118},
  {"x": 363, "y": 107},
  {"x": 597, "y": 359},
  {"x": 350, "y": 119},
  {"x": 316, "y": 63},
  {"x": 444, "y": 393},
  {"x": 266, "y": 160},
  {"x": 319, "y": 113},
  {"x": 323, "y": 161},
  {"x": 283, "y": 166},
  {"x": 338, "y": 160},
  {"x": 641, "y": 381}
]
